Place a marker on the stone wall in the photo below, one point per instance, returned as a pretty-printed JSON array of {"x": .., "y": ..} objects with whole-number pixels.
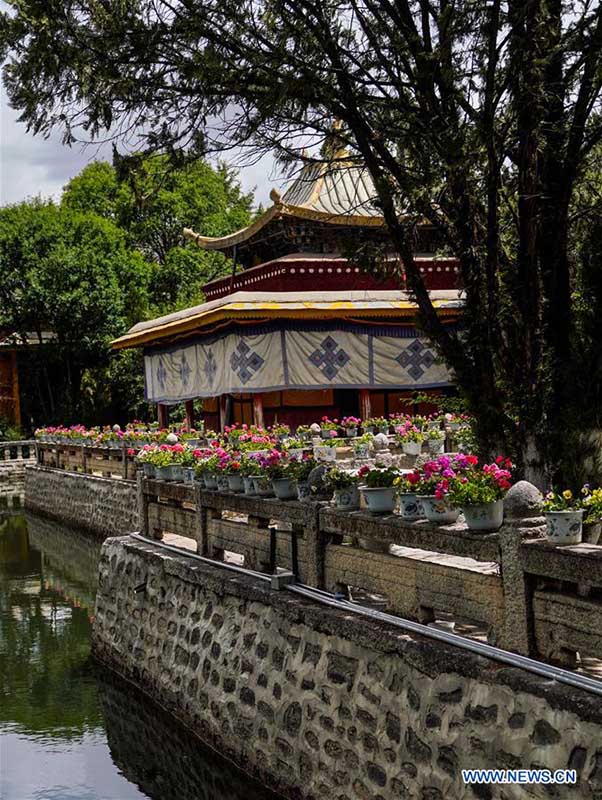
[
  {"x": 320, "y": 703},
  {"x": 101, "y": 505},
  {"x": 14, "y": 457}
]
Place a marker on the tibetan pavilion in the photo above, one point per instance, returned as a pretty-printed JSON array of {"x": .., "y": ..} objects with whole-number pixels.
[{"x": 300, "y": 329}]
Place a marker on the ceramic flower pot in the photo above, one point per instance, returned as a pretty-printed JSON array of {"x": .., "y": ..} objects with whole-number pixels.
[
  {"x": 199, "y": 477},
  {"x": 368, "y": 428},
  {"x": 484, "y": 516},
  {"x": 148, "y": 470},
  {"x": 564, "y": 527},
  {"x": 379, "y": 500},
  {"x": 325, "y": 434},
  {"x": 222, "y": 483},
  {"x": 591, "y": 532},
  {"x": 210, "y": 480},
  {"x": 303, "y": 491},
  {"x": 164, "y": 473},
  {"x": 188, "y": 474},
  {"x": 249, "y": 486},
  {"x": 433, "y": 425},
  {"x": 324, "y": 453},
  {"x": 410, "y": 507},
  {"x": 412, "y": 448},
  {"x": 263, "y": 486},
  {"x": 438, "y": 510},
  {"x": 235, "y": 483},
  {"x": 361, "y": 450},
  {"x": 284, "y": 488},
  {"x": 296, "y": 453},
  {"x": 436, "y": 446},
  {"x": 351, "y": 432},
  {"x": 347, "y": 499}
]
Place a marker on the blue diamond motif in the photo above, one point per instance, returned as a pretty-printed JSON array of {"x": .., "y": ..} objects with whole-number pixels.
[
  {"x": 329, "y": 358},
  {"x": 184, "y": 369},
  {"x": 244, "y": 362},
  {"x": 210, "y": 367},
  {"x": 161, "y": 374},
  {"x": 416, "y": 359}
]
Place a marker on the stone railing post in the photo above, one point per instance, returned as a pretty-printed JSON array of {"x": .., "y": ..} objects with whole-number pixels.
[
  {"x": 523, "y": 520},
  {"x": 142, "y": 501},
  {"x": 314, "y": 544}
]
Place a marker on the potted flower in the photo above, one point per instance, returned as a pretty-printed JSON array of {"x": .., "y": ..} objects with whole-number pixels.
[
  {"x": 207, "y": 469},
  {"x": 293, "y": 447},
  {"x": 480, "y": 492},
  {"x": 411, "y": 441},
  {"x": 433, "y": 487},
  {"x": 351, "y": 425},
  {"x": 144, "y": 458},
  {"x": 592, "y": 507},
  {"x": 276, "y": 468},
  {"x": 232, "y": 470},
  {"x": 378, "y": 489},
  {"x": 409, "y": 504},
  {"x": 564, "y": 517},
  {"x": 248, "y": 468},
  {"x": 435, "y": 440},
  {"x": 280, "y": 431},
  {"x": 361, "y": 445},
  {"x": 303, "y": 432},
  {"x": 300, "y": 469},
  {"x": 381, "y": 424},
  {"x": 188, "y": 462},
  {"x": 344, "y": 487},
  {"x": 328, "y": 452},
  {"x": 329, "y": 428},
  {"x": 433, "y": 423}
]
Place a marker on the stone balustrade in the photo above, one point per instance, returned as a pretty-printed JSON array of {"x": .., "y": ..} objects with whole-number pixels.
[
  {"x": 524, "y": 593},
  {"x": 14, "y": 457},
  {"x": 106, "y": 461}
]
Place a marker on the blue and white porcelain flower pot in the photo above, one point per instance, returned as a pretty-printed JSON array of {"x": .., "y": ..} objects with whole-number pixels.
[
  {"x": 210, "y": 480},
  {"x": 235, "y": 483},
  {"x": 284, "y": 488},
  {"x": 347, "y": 499},
  {"x": 249, "y": 485},
  {"x": 484, "y": 516},
  {"x": 412, "y": 448},
  {"x": 263, "y": 486},
  {"x": 564, "y": 527},
  {"x": 380, "y": 500},
  {"x": 303, "y": 491},
  {"x": 222, "y": 483},
  {"x": 410, "y": 507},
  {"x": 438, "y": 510}
]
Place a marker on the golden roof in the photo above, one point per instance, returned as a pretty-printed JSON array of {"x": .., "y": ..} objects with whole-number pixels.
[
  {"x": 265, "y": 306},
  {"x": 338, "y": 192}
]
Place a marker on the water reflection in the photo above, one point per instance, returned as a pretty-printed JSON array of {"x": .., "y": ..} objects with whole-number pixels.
[{"x": 67, "y": 732}]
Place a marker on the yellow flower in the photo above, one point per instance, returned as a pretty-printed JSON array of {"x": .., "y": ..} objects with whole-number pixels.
[{"x": 567, "y": 494}]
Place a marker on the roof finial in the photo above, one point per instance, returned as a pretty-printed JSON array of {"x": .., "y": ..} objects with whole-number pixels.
[
  {"x": 334, "y": 147},
  {"x": 275, "y": 196}
]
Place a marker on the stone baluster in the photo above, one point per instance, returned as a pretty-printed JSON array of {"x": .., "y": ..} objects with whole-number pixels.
[{"x": 523, "y": 520}]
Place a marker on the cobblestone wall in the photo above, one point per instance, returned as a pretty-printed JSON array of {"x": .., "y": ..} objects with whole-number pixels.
[
  {"x": 319, "y": 703},
  {"x": 102, "y": 505}
]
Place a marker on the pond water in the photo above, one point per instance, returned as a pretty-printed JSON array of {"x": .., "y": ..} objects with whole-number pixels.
[{"x": 68, "y": 729}]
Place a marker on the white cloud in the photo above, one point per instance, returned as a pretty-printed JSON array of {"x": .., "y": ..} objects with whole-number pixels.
[{"x": 31, "y": 165}]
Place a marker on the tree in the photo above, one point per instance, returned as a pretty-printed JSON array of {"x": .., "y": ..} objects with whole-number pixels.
[
  {"x": 71, "y": 274},
  {"x": 153, "y": 202},
  {"x": 479, "y": 117}
]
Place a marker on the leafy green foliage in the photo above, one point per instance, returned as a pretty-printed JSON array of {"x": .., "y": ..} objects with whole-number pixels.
[{"x": 111, "y": 254}]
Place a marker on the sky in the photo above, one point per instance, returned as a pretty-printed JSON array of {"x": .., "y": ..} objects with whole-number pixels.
[{"x": 31, "y": 165}]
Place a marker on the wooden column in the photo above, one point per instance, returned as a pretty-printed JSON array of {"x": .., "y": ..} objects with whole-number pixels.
[
  {"x": 365, "y": 405},
  {"x": 16, "y": 393},
  {"x": 258, "y": 410},
  {"x": 223, "y": 410},
  {"x": 162, "y": 415},
  {"x": 189, "y": 406}
]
